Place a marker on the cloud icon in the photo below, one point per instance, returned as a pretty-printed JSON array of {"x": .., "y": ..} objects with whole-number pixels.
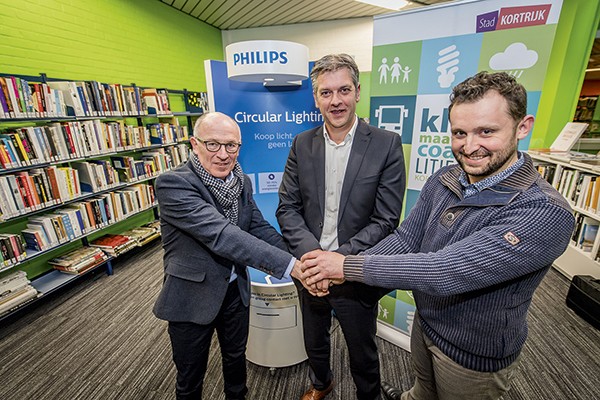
[{"x": 516, "y": 56}]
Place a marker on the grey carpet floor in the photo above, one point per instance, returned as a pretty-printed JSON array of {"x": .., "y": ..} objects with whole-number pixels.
[{"x": 98, "y": 340}]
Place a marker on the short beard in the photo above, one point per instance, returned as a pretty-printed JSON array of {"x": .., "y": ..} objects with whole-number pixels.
[{"x": 495, "y": 165}]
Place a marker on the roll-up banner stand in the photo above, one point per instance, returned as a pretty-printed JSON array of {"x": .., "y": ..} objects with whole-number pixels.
[
  {"x": 418, "y": 56},
  {"x": 272, "y": 102}
]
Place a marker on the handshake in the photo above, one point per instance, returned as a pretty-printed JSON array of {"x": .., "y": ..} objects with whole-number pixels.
[{"x": 318, "y": 270}]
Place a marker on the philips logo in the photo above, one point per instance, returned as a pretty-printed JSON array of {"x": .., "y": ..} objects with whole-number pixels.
[{"x": 260, "y": 57}]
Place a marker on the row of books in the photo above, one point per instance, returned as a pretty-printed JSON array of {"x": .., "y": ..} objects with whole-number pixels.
[
  {"x": 78, "y": 219},
  {"x": 82, "y": 259},
  {"x": 581, "y": 189},
  {"x": 151, "y": 163},
  {"x": 114, "y": 245},
  {"x": 20, "y": 98},
  {"x": 585, "y": 235},
  {"x": 165, "y": 133},
  {"x": 15, "y": 290},
  {"x": 585, "y": 108},
  {"x": 27, "y": 191},
  {"x": 12, "y": 249},
  {"x": 64, "y": 141},
  {"x": 79, "y": 261},
  {"x": 144, "y": 234},
  {"x": 178, "y": 154}
]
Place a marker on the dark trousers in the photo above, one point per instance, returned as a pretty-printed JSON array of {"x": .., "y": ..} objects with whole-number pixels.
[
  {"x": 358, "y": 321},
  {"x": 191, "y": 345}
]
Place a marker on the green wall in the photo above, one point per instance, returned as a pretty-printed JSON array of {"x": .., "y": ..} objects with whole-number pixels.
[
  {"x": 575, "y": 35},
  {"x": 115, "y": 41},
  {"x": 364, "y": 105},
  {"x": 144, "y": 42}
]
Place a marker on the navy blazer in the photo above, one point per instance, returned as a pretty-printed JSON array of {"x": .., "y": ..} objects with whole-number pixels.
[
  {"x": 201, "y": 246},
  {"x": 371, "y": 198}
]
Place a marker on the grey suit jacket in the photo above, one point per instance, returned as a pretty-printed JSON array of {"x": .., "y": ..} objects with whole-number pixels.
[
  {"x": 371, "y": 198},
  {"x": 201, "y": 246}
]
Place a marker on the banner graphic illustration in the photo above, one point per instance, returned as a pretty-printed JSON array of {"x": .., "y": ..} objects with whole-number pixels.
[{"x": 420, "y": 55}]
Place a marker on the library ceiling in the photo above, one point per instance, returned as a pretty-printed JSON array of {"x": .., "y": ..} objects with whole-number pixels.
[{"x": 235, "y": 14}]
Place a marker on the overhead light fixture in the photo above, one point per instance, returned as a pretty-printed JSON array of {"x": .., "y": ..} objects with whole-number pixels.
[
  {"x": 390, "y": 4},
  {"x": 592, "y": 70}
]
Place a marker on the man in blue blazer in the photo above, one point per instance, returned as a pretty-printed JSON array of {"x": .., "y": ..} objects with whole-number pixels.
[
  {"x": 211, "y": 231},
  {"x": 342, "y": 191}
]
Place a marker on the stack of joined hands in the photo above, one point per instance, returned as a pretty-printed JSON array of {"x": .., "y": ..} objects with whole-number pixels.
[{"x": 318, "y": 270}]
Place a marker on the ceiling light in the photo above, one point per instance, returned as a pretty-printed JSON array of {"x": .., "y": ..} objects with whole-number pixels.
[{"x": 390, "y": 4}]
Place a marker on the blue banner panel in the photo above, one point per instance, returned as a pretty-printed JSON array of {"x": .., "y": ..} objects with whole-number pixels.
[{"x": 269, "y": 117}]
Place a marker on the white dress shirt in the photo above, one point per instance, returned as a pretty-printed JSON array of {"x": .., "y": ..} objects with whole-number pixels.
[{"x": 336, "y": 160}]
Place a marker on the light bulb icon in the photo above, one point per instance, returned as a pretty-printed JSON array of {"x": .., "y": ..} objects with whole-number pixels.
[{"x": 448, "y": 65}]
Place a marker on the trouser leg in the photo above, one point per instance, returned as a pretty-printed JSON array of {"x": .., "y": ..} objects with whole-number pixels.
[
  {"x": 439, "y": 377},
  {"x": 316, "y": 322},
  {"x": 424, "y": 386},
  {"x": 232, "y": 326},
  {"x": 359, "y": 325},
  {"x": 455, "y": 382},
  {"x": 191, "y": 344}
]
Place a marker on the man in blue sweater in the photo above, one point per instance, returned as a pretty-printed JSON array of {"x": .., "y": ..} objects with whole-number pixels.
[{"x": 473, "y": 249}]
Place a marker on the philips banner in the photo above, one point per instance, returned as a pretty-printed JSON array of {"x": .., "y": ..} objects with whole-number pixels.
[
  {"x": 269, "y": 117},
  {"x": 418, "y": 56}
]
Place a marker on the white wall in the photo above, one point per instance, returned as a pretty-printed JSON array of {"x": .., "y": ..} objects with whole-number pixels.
[{"x": 352, "y": 36}]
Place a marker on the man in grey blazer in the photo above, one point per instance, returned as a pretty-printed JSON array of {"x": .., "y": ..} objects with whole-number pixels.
[
  {"x": 342, "y": 191},
  {"x": 211, "y": 231}
]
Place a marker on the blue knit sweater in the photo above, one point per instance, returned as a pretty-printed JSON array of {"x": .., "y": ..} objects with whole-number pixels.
[{"x": 473, "y": 263}]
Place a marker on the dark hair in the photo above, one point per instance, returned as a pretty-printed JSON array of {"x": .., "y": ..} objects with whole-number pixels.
[
  {"x": 475, "y": 87},
  {"x": 331, "y": 63}
]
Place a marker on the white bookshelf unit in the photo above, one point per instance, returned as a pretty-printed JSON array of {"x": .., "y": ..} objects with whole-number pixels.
[{"x": 577, "y": 177}]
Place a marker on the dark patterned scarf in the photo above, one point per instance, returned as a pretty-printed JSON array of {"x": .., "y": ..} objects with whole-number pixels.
[{"x": 226, "y": 193}]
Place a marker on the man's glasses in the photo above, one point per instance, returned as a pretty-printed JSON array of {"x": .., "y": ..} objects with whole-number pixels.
[{"x": 213, "y": 147}]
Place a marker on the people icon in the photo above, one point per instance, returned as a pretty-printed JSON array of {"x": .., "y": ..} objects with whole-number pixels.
[
  {"x": 383, "y": 70},
  {"x": 405, "y": 72},
  {"x": 396, "y": 68}
]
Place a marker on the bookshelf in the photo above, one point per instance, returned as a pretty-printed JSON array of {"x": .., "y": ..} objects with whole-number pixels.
[
  {"x": 588, "y": 111},
  {"x": 577, "y": 177},
  {"x": 78, "y": 161}
]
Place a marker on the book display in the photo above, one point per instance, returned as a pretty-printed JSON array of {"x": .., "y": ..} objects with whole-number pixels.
[
  {"x": 577, "y": 177},
  {"x": 15, "y": 289},
  {"x": 114, "y": 245},
  {"x": 78, "y": 157}
]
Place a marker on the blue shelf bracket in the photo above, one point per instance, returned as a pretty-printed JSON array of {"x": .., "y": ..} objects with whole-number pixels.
[{"x": 109, "y": 267}]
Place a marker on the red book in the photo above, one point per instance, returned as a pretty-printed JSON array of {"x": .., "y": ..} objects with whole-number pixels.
[
  {"x": 66, "y": 128},
  {"x": 31, "y": 190},
  {"x": 91, "y": 216},
  {"x": 37, "y": 99},
  {"x": 24, "y": 190},
  {"x": 110, "y": 241},
  {"x": 51, "y": 172}
]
